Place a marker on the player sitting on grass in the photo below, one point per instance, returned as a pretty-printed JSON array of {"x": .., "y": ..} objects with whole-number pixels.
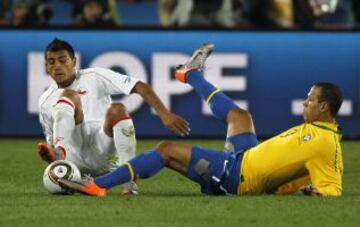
[
  {"x": 82, "y": 124},
  {"x": 307, "y": 156}
]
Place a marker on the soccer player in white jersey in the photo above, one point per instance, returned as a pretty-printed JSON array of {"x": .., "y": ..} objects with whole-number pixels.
[{"x": 82, "y": 124}]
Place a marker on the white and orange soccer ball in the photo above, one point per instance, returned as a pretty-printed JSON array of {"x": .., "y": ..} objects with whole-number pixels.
[{"x": 60, "y": 169}]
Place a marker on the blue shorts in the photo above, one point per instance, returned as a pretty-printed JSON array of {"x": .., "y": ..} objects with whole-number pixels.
[{"x": 218, "y": 172}]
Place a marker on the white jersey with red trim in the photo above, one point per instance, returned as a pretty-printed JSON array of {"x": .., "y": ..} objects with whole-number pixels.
[{"x": 95, "y": 85}]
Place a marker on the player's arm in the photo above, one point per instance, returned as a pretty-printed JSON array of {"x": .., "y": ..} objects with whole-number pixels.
[
  {"x": 293, "y": 186},
  {"x": 302, "y": 184},
  {"x": 325, "y": 178},
  {"x": 172, "y": 121},
  {"x": 46, "y": 130},
  {"x": 310, "y": 190},
  {"x": 116, "y": 83},
  {"x": 322, "y": 187}
]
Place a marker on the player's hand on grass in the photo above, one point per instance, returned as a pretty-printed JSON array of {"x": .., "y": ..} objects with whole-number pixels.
[
  {"x": 176, "y": 124},
  {"x": 310, "y": 190}
]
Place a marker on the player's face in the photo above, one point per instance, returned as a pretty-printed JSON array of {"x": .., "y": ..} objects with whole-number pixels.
[
  {"x": 313, "y": 108},
  {"x": 61, "y": 67}
]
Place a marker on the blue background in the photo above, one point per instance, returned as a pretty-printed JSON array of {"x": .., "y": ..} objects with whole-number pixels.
[{"x": 282, "y": 67}]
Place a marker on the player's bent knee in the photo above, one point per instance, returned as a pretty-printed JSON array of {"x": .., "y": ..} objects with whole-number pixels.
[
  {"x": 238, "y": 114},
  {"x": 239, "y": 121},
  {"x": 72, "y": 95},
  {"x": 117, "y": 110},
  {"x": 165, "y": 148}
]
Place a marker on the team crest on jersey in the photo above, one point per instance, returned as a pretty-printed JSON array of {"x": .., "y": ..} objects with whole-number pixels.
[
  {"x": 129, "y": 131},
  {"x": 58, "y": 139},
  {"x": 307, "y": 137},
  {"x": 81, "y": 91}
]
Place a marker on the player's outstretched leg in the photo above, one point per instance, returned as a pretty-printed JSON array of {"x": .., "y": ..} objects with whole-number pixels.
[
  {"x": 190, "y": 73},
  {"x": 204, "y": 166},
  {"x": 173, "y": 155},
  {"x": 145, "y": 165}
]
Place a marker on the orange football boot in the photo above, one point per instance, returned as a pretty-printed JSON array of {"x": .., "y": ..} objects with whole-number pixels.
[
  {"x": 49, "y": 155},
  {"x": 46, "y": 153},
  {"x": 88, "y": 187}
]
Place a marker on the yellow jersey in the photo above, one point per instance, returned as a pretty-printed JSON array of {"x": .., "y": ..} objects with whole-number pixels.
[{"x": 307, "y": 153}]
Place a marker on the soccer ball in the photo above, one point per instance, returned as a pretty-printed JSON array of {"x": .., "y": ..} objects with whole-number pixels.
[{"x": 60, "y": 169}]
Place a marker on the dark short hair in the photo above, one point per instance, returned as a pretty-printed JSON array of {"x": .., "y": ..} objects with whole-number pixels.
[
  {"x": 57, "y": 45},
  {"x": 331, "y": 94}
]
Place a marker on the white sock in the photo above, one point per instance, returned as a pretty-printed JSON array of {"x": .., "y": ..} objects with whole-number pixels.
[
  {"x": 64, "y": 122},
  {"x": 124, "y": 139},
  {"x": 125, "y": 144}
]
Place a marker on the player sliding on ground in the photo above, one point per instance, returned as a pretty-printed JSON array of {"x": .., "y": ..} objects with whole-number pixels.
[{"x": 306, "y": 157}]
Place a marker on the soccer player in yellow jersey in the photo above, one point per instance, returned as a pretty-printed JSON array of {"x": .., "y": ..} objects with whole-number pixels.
[{"x": 307, "y": 157}]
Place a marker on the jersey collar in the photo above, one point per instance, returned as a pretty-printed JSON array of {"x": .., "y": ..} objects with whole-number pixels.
[{"x": 333, "y": 127}]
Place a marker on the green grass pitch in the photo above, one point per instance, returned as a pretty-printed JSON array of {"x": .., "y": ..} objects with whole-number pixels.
[{"x": 168, "y": 199}]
